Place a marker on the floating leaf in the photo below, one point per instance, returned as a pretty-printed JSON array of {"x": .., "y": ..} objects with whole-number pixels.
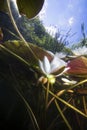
[
  {"x": 30, "y": 8},
  {"x": 19, "y": 48},
  {"x": 78, "y": 66}
]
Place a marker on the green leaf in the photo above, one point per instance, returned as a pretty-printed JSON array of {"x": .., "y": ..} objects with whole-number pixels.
[
  {"x": 66, "y": 103},
  {"x": 30, "y": 7},
  {"x": 19, "y": 49},
  {"x": 62, "y": 115}
]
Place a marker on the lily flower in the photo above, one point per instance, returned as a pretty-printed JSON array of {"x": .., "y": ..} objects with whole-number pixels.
[
  {"x": 51, "y": 53},
  {"x": 52, "y": 69},
  {"x": 54, "y": 66},
  {"x": 80, "y": 51},
  {"x": 60, "y": 54},
  {"x": 57, "y": 54}
]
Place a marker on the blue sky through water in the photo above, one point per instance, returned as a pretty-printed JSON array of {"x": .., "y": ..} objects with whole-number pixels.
[{"x": 64, "y": 15}]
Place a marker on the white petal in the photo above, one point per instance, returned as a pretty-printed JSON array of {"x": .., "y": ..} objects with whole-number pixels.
[
  {"x": 41, "y": 66},
  {"x": 68, "y": 82},
  {"x": 67, "y": 68},
  {"x": 51, "y": 53},
  {"x": 63, "y": 72},
  {"x": 80, "y": 51},
  {"x": 57, "y": 63},
  {"x": 60, "y": 55},
  {"x": 46, "y": 65}
]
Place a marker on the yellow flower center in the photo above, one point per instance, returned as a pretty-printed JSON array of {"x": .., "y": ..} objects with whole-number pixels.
[{"x": 51, "y": 79}]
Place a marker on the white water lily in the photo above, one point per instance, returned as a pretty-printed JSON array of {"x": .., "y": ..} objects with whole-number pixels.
[
  {"x": 68, "y": 82},
  {"x": 60, "y": 54},
  {"x": 56, "y": 64},
  {"x": 80, "y": 51},
  {"x": 57, "y": 54}
]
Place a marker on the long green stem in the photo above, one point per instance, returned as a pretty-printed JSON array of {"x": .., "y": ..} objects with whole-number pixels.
[
  {"x": 68, "y": 89},
  {"x": 47, "y": 94},
  {"x": 61, "y": 113},
  {"x": 67, "y": 104},
  {"x": 53, "y": 122},
  {"x": 16, "y": 28},
  {"x": 84, "y": 104},
  {"x": 58, "y": 94}
]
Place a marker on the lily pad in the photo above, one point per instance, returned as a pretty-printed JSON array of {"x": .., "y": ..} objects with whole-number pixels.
[
  {"x": 30, "y": 8},
  {"x": 78, "y": 67},
  {"x": 19, "y": 48}
]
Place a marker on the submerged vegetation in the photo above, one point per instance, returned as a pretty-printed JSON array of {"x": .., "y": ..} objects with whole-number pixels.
[{"x": 41, "y": 87}]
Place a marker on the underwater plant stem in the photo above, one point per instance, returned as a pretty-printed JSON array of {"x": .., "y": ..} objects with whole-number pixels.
[
  {"x": 54, "y": 121},
  {"x": 16, "y": 28},
  {"x": 47, "y": 94},
  {"x": 84, "y": 104},
  {"x": 62, "y": 115},
  {"x": 29, "y": 109},
  {"x": 67, "y": 104},
  {"x": 60, "y": 93}
]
